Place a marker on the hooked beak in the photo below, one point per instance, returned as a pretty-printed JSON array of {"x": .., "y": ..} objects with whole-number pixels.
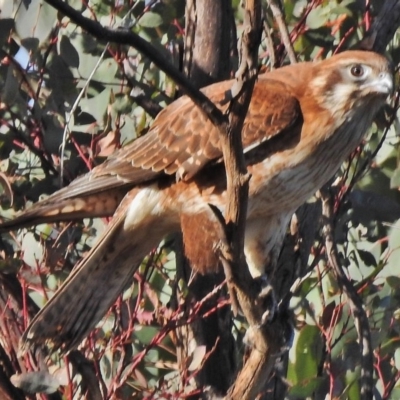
[{"x": 382, "y": 84}]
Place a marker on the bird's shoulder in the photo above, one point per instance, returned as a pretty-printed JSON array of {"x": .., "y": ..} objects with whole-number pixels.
[{"x": 182, "y": 140}]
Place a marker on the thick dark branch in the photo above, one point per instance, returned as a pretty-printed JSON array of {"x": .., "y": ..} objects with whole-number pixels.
[
  {"x": 261, "y": 337},
  {"x": 127, "y": 37},
  {"x": 384, "y": 26},
  {"x": 236, "y": 171}
]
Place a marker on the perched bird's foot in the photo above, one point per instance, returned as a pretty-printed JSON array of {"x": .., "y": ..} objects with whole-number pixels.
[
  {"x": 267, "y": 299},
  {"x": 275, "y": 316}
]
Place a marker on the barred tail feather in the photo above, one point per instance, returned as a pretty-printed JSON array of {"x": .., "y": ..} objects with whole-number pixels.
[
  {"x": 95, "y": 283},
  {"x": 55, "y": 209}
]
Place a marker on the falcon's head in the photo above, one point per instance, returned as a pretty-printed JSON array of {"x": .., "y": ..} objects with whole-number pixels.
[{"x": 352, "y": 77}]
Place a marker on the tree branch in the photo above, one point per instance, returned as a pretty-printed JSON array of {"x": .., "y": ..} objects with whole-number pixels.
[
  {"x": 383, "y": 27},
  {"x": 278, "y": 15},
  {"x": 127, "y": 37},
  {"x": 354, "y": 300},
  {"x": 264, "y": 343}
]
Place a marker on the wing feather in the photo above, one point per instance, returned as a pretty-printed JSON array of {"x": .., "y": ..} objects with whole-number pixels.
[{"x": 182, "y": 140}]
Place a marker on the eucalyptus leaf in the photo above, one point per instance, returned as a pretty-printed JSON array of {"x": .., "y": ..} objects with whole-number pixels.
[
  {"x": 151, "y": 20},
  {"x": 308, "y": 353},
  {"x": 317, "y": 18},
  {"x": 35, "y": 21},
  {"x": 68, "y": 52}
]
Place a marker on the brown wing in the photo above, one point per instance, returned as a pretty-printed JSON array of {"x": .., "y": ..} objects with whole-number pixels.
[{"x": 182, "y": 140}]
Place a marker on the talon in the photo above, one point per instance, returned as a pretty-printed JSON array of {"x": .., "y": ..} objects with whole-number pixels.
[{"x": 267, "y": 299}]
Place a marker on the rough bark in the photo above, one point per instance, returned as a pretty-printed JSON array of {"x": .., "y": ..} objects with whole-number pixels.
[
  {"x": 384, "y": 27},
  {"x": 207, "y": 51},
  {"x": 207, "y": 41}
]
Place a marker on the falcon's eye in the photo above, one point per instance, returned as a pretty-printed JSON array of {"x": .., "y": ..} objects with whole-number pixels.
[{"x": 357, "y": 70}]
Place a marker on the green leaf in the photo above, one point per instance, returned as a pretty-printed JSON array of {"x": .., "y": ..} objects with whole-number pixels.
[
  {"x": 298, "y": 8},
  {"x": 97, "y": 105},
  {"x": 395, "y": 179},
  {"x": 393, "y": 282},
  {"x": 353, "y": 385},
  {"x": 367, "y": 258},
  {"x": 150, "y": 20},
  {"x": 308, "y": 354},
  {"x": 320, "y": 37},
  {"x": 33, "y": 251},
  {"x": 305, "y": 389},
  {"x": 122, "y": 103},
  {"x": 68, "y": 52},
  {"x": 35, "y": 21},
  {"x": 145, "y": 334},
  {"x": 317, "y": 18},
  {"x": 340, "y": 10}
]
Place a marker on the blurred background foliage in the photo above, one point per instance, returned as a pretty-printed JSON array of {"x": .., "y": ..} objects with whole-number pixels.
[{"x": 67, "y": 101}]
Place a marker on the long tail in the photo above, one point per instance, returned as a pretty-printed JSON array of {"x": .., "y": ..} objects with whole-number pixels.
[
  {"x": 96, "y": 282},
  {"x": 84, "y": 197}
]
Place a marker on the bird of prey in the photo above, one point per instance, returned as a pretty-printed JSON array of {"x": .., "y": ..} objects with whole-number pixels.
[{"x": 302, "y": 123}]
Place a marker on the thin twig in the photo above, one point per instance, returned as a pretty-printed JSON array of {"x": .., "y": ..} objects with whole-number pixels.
[
  {"x": 283, "y": 29},
  {"x": 263, "y": 339},
  {"x": 270, "y": 45},
  {"x": 67, "y": 131},
  {"x": 130, "y": 38},
  {"x": 354, "y": 300}
]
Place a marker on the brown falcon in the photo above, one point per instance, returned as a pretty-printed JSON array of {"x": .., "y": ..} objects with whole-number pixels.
[{"x": 303, "y": 121}]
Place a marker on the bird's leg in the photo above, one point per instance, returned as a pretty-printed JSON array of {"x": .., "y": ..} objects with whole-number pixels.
[{"x": 263, "y": 241}]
